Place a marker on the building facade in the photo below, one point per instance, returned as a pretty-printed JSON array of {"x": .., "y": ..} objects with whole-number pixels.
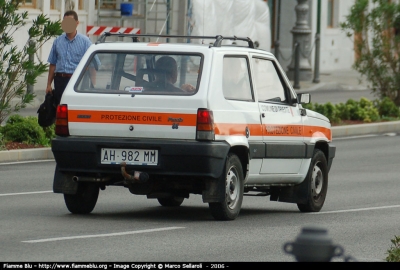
[{"x": 173, "y": 17}]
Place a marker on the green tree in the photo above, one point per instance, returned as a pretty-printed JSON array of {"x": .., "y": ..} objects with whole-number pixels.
[
  {"x": 375, "y": 25},
  {"x": 16, "y": 70}
]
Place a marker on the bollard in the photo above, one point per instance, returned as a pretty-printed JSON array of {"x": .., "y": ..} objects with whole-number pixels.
[
  {"x": 313, "y": 245},
  {"x": 296, "y": 66},
  {"x": 317, "y": 56}
]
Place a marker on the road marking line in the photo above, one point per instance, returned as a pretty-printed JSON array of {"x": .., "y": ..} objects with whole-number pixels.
[
  {"x": 25, "y": 193},
  {"x": 27, "y": 161},
  {"x": 356, "y": 137},
  {"x": 356, "y": 210},
  {"x": 100, "y": 235}
]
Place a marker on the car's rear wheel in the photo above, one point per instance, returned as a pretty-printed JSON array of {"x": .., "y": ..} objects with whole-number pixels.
[
  {"x": 171, "y": 201},
  {"x": 317, "y": 178},
  {"x": 84, "y": 201},
  {"x": 230, "y": 207}
]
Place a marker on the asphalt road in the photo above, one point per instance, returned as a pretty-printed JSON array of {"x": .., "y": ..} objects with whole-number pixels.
[{"x": 361, "y": 214}]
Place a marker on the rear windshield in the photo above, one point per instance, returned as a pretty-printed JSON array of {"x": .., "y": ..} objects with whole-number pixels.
[{"x": 140, "y": 73}]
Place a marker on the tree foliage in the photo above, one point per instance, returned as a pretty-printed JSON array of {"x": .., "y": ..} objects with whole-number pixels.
[
  {"x": 393, "y": 254},
  {"x": 375, "y": 25},
  {"x": 16, "y": 69}
]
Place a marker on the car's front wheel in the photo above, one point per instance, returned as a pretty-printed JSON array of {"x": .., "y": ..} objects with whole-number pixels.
[
  {"x": 317, "y": 181},
  {"x": 84, "y": 201},
  {"x": 230, "y": 207}
]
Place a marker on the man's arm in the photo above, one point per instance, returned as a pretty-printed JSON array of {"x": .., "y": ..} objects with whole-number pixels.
[
  {"x": 50, "y": 78},
  {"x": 92, "y": 74}
]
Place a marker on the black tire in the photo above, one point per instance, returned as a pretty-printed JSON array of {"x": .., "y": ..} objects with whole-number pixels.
[
  {"x": 171, "y": 201},
  {"x": 229, "y": 208},
  {"x": 317, "y": 182},
  {"x": 84, "y": 201}
]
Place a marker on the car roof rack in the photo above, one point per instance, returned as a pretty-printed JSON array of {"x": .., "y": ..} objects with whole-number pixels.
[{"x": 135, "y": 38}]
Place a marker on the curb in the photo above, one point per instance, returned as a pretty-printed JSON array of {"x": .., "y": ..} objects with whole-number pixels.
[
  {"x": 338, "y": 131},
  {"x": 26, "y": 155},
  {"x": 364, "y": 129}
]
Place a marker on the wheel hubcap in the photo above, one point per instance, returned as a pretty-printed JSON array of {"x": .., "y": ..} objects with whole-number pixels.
[
  {"x": 317, "y": 180},
  {"x": 232, "y": 188}
]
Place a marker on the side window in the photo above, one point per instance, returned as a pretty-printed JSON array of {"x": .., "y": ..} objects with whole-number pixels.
[
  {"x": 268, "y": 83},
  {"x": 236, "y": 79}
]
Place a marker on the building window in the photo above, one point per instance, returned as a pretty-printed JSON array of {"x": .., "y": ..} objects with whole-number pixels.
[
  {"x": 106, "y": 4},
  {"x": 28, "y": 3},
  {"x": 332, "y": 14},
  {"x": 54, "y": 6}
]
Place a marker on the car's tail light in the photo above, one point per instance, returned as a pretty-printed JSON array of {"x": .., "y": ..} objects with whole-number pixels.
[
  {"x": 62, "y": 120},
  {"x": 205, "y": 125}
]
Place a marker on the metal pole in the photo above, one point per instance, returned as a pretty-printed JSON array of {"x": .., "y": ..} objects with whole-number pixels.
[
  {"x": 277, "y": 43},
  {"x": 317, "y": 44},
  {"x": 277, "y": 50},
  {"x": 168, "y": 16},
  {"x": 29, "y": 88},
  {"x": 278, "y": 23},
  {"x": 296, "y": 66},
  {"x": 302, "y": 35}
]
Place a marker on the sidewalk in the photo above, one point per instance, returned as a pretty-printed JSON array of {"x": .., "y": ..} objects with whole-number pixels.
[
  {"x": 344, "y": 80},
  {"x": 349, "y": 80}
]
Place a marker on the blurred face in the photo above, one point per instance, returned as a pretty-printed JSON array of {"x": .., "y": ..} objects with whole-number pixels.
[
  {"x": 169, "y": 65},
  {"x": 69, "y": 24}
]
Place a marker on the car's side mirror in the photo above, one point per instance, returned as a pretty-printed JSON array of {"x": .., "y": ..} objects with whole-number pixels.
[{"x": 304, "y": 98}]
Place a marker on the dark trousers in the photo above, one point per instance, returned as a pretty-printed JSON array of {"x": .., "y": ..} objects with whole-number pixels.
[{"x": 59, "y": 86}]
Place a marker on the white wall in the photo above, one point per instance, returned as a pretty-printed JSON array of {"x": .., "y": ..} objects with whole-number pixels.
[
  {"x": 336, "y": 51},
  {"x": 336, "y": 48}
]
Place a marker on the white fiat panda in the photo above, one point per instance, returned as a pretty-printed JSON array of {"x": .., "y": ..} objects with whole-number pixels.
[{"x": 167, "y": 120}]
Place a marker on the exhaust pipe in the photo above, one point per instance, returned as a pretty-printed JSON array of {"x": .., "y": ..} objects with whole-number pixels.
[
  {"x": 88, "y": 179},
  {"x": 137, "y": 176}
]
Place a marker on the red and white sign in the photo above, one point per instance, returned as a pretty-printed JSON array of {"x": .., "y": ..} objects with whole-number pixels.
[{"x": 99, "y": 30}]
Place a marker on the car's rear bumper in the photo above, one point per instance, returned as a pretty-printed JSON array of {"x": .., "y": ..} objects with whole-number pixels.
[{"x": 76, "y": 155}]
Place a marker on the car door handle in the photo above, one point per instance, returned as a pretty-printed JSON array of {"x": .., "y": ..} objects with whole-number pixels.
[{"x": 263, "y": 115}]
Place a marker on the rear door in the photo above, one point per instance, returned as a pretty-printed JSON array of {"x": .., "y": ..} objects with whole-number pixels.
[{"x": 236, "y": 113}]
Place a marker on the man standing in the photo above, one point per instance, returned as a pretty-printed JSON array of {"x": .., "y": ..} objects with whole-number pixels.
[{"x": 65, "y": 55}]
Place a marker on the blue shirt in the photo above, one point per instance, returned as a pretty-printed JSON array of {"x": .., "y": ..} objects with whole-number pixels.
[{"x": 66, "y": 54}]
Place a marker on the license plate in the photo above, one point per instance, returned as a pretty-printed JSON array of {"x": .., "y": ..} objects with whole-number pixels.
[{"x": 129, "y": 156}]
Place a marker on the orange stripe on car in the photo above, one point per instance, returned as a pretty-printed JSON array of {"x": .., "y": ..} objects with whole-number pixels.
[
  {"x": 223, "y": 129},
  {"x": 297, "y": 130},
  {"x": 313, "y": 131},
  {"x": 272, "y": 130},
  {"x": 145, "y": 118},
  {"x": 237, "y": 129}
]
